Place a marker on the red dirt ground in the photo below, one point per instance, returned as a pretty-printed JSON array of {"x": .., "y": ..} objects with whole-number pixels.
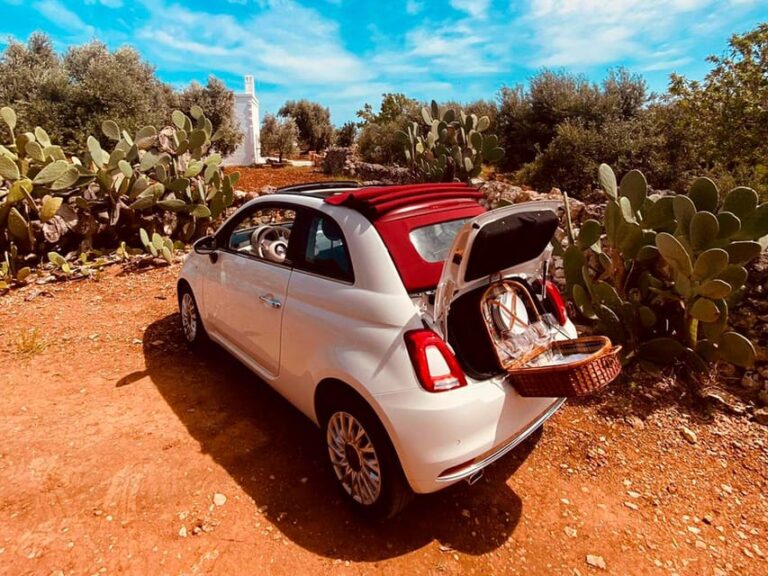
[
  {"x": 254, "y": 179},
  {"x": 115, "y": 439}
]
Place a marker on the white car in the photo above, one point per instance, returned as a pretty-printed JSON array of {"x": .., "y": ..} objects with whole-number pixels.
[{"x": 360, "y": 306}]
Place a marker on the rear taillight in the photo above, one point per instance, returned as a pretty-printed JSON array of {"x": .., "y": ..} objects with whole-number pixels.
[
  {"x": 554, "y": 302},
  {"x": 436, "y": 367}
]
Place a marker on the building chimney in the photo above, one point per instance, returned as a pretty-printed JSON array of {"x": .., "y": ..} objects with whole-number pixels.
[{"x": 249, "y": 84}]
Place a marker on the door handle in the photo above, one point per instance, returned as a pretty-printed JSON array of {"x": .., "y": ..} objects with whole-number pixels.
[{"x": 268, "y": 300}]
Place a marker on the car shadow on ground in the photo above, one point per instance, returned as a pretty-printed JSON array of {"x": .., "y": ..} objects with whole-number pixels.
[{"x": 277, "y": 456}]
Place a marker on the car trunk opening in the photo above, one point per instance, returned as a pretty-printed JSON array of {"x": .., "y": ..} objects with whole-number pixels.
[
  {"x": 508, "y": 243},
  {"x": 468, "y": 335}
]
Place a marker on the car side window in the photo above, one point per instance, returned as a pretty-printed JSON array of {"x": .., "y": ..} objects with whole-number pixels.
[
  {"x": 264, "y": 234},
  {"x": 326, "y": 252}
]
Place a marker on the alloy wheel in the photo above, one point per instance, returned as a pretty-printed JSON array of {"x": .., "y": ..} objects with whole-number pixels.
[
  {"x": 189, "y": 317},
  {"x": 354, "y": 458}
]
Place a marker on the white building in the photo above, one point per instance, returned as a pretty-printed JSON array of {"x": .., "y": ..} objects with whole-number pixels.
[{"x": 247, "y": 115}]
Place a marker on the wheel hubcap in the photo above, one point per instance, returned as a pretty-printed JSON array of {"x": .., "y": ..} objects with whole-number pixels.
[
  {"x": 188, "y": 316},
  {"x": 354, "y": 458}
]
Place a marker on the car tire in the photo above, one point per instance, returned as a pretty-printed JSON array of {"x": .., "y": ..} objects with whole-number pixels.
[
  {"x": 191, "y": 323},
  {"x": 363, "y": 460}
]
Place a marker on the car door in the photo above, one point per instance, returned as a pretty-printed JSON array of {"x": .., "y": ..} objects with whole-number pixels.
[
  {"x": 319, "y": 319},
  {"x": 253, "y": 276}
]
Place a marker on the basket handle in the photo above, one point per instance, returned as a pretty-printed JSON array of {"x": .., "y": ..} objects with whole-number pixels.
[{"x": 612, "y": 351}]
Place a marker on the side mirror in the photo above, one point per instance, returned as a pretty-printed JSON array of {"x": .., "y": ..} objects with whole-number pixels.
[{"x": 206, "y": 245}]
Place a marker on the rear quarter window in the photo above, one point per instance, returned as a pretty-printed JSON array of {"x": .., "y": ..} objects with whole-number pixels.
[{"x": 433, "y": 242}]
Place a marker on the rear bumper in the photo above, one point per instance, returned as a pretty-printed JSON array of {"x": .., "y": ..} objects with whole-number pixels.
[
  {"x": 446, "y": 437},
  {"x": 486, "y": 459}
]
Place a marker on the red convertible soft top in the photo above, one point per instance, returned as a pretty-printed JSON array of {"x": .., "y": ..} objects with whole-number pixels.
[
  {"x": 376, "y": 201},
  {"x": 398, "y": 210}
]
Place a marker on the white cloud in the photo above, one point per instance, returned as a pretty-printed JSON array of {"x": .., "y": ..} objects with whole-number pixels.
[
  {"x": 282, "y": 44},
  {"x": 475, "y": 8},
  {"x": 413, "y": 6},
  {"x": 583, "y": 33},
  {"x": 456, "y": 49},
  {"x": 107, "y": 3},
  {"x": 57, "y": 13}
]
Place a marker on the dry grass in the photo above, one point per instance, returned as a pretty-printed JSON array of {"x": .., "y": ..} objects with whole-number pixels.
[{"x": 29, "y": 343}]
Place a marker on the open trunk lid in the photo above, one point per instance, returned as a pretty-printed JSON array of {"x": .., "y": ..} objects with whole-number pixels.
[{"x": 510, "y": 240}]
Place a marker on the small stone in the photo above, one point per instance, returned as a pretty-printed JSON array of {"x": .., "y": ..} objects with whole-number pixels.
[
  {"x": 183, "y": 531},
  {"x": 219, "y": 499},
  {"x": 694, "y": 530},
  {"x": 701, "y": 544},
  {"x": 631, "y": 505},
  {"x": 465, "y": 513},
  {"x": 635, "y": 422},
  {"x": 727, "y": 489},
  {"x": 761, "y": 416},
  {"x": 570, "y": 532},
  {"x": 633, "y": 494},
  {"x": 751, "y": 380},
  {"x": 596, "y": 561},
  {"x": 688, "y": 434}
]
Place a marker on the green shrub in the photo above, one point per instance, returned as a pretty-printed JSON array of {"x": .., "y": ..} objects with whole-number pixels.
[
  {"x": 70, "y": 94},
  {"x": 660, "y": 273},
  {"x": 346, "y": 135},
  {"x": 378, "y": 141}
]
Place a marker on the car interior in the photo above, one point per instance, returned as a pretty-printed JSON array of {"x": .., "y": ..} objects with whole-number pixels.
[
  {"x": 264, "y": 235},
  {"x": 325, "y": 249}
]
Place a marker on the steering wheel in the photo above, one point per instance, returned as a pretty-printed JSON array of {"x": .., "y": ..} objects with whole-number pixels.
[{"x": 271, "y": 242}]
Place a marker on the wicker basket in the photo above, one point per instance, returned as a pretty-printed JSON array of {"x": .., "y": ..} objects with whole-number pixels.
[
  {"x": 597, "y": 365},
  {"x": 579, "y": 378}
]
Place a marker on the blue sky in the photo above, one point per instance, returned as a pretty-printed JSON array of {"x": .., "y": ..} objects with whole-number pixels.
[{"x": 344, "y": 53}]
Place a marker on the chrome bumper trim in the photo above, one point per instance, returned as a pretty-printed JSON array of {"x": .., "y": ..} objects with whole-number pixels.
[{"x": 506, "y": 446}]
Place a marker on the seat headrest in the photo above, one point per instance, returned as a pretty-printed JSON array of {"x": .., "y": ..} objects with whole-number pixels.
[{"x": 330, "y": 229}]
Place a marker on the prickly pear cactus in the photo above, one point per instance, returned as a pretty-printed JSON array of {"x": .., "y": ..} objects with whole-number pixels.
[
  {"x": 449, "y": 145},
  {"x": 660, "y": 272},
  {"x": 164, "y": 180}
]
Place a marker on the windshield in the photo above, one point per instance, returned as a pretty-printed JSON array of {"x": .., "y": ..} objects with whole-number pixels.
[{"x": 434, "y": 241}]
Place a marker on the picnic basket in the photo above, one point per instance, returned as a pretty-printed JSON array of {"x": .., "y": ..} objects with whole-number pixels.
[{"x": 545, "y": 370}]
